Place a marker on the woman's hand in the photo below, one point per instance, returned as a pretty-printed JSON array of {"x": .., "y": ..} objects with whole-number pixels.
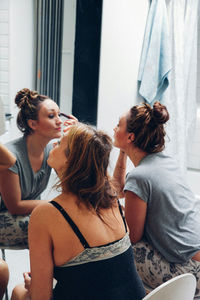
[
  {"x": 71, "y": 121},
  {"x": 27, "y": 281}
]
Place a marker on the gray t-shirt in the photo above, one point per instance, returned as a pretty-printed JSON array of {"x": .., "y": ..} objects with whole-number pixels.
[
  {"x": 32, "y": 184},
  {"x": 173, "y": 213}
]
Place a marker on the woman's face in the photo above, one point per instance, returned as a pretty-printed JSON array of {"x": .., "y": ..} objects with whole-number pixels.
[
  {"x": 120, "y": 133},
  {"x": 57, "y": 157},
  {"x": 49, "y": 123}
]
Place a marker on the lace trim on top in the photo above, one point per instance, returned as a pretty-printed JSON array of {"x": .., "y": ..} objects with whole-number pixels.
[{"x": 100, "y": 253}]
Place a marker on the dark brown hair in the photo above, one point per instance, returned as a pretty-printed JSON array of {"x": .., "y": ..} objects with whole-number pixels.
[
  {"x": 29, "y": 103},
  {"x": 147, "y": 125},
  {"x": 88, "y": 151}
]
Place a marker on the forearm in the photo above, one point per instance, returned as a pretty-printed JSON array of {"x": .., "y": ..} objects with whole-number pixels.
[
  {"x": 11, "y": 195},
  {"x": 41, "y": 293},
  {"x": 24, "y": 207},
  {"x": 120, "y": 172}
]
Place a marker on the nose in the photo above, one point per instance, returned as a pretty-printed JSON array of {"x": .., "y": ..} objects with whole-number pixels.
[
  {"x": 114, "y": 129},
  {"x": 59, "y": 121}
]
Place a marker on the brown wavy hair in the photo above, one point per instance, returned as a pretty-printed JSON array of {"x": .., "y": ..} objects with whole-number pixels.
[
  {"x": 29, "y": 104},
  {"x": 88, "y": 151},
  {"x": 147, "y": 124}
]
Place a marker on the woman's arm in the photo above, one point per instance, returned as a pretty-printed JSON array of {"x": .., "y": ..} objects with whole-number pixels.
[
  {"x": 135, "y": 214},
  {"x": 7, "y": 159},
  {"x": 11, "y": 194},
  {"x": 119, "y": 173},
  {"x": 41, "y": 254}
]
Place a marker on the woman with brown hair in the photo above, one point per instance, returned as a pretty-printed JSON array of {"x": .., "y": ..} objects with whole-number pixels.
[
  {"x": 21, "y": 184},
  {"x": 161, "y": 211},
  {"x": 83, "y": 239}
]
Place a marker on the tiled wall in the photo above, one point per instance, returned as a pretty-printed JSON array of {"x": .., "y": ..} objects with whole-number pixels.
[
  {"x": 194, "y": 147},
  {"x": 198, "y": 59},
  {"x": 4, "y": 50}
]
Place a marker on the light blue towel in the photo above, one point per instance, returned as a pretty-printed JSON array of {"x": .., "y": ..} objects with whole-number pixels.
[{"x": 155, "y": 62}]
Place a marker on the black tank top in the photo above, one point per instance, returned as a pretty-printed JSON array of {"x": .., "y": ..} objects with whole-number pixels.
[{"x": 114, "y": 278}]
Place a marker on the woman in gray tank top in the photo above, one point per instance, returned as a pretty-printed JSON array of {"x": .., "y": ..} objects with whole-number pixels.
[{"x": 160, "y": 209}]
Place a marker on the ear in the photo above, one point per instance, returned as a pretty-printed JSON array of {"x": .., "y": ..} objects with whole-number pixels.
[
  {"x": 32, "y": 124},
  {"x": 131, "y": 137}
]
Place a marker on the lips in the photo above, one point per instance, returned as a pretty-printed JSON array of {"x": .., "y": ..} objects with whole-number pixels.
[{"x": 58, "y": 129}]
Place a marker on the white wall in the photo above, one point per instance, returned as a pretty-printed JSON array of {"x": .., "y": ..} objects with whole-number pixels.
[
  {"x": 20, "y": 57},
  {"x": 4, "y": 34},
  {"x": 123, "y": 26},
  {"x": 68, "y": 56},
  {"x": 21, "y": 47},
  {"x": 198, "y": 57}
]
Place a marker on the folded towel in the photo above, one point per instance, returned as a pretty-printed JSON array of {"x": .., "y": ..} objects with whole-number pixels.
[
  {"x": 155, "y": 62},
  {"x": 2, "y": 118}
]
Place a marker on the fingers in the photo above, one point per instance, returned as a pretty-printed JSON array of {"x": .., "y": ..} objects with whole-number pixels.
[
  {"x": 67, "y": 128},
  {"x": 71, "y": 121},
  {"x": 27, "y": 277},
  {"x": 73, "y": 117},
  {"x": 27, "y": 280}
]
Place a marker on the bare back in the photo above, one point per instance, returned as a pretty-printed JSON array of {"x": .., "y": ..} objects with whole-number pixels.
[{"x": 65, "y": 243}]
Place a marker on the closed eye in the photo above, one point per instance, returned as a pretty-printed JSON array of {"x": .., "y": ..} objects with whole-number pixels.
[{"x": 56, "y": 144}]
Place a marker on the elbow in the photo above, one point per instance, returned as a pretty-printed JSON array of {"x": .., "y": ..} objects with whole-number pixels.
[
  {"x": 14, "y": 210},
  {"x": 119, "y": 187},
  {"x": 135, "y": 238},
  {"x": 120, "y": 192}
]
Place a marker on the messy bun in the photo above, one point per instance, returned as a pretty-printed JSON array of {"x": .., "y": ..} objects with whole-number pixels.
[
  {"x": 160, "y": 114},
  {"x": 147, "y": 125},
  {"x": 29, "y": 104}
]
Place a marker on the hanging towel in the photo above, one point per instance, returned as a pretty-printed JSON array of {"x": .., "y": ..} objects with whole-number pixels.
[
  {"x": 2, "y": 118},
  {"x": 155, "y": 61}
]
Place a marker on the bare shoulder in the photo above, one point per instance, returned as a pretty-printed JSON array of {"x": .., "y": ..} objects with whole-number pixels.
[{"x": 42, "y": 212}]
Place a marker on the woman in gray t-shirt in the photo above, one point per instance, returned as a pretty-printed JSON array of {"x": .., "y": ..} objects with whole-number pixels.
[
  {"x": 22, "y": 184},
  {"x": 160, "y": 209}
]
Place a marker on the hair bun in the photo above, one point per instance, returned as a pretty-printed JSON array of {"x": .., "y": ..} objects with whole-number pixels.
[
  {"x": 160, "y": 113},
  {"x": 22, "y": 98},
  {"x": 25, "y": 98}
]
